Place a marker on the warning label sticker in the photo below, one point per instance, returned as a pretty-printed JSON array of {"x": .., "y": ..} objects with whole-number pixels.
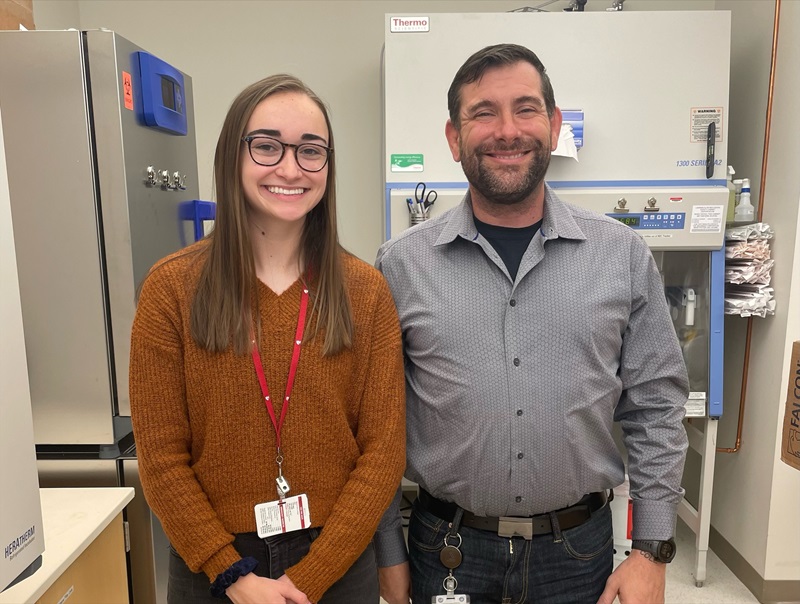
[
  {"x": 696, "y": 404},
  {"x": 701, "y": 117},
  {"x": 706, "y": 219}
]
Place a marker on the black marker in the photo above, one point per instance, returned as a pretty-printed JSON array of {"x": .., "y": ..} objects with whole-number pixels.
[{"x": 712, "y": 135}]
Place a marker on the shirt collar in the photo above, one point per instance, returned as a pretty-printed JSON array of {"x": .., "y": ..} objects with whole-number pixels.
[
  {"x": 557, "y": 221},
  {"x": 460, "y": 223}
]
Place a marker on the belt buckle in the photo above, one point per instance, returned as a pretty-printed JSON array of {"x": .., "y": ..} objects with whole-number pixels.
[{"x": 509, "y": 526}]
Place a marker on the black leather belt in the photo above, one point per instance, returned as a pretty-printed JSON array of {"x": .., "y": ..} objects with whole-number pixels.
[{"x": 511, "y": 526}]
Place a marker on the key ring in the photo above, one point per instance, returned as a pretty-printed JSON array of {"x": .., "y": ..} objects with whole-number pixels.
[{"x": 446, "y": 544}]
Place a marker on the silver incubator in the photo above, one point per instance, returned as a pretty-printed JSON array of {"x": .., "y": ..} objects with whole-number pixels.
[{"x": 102, "y": 166}]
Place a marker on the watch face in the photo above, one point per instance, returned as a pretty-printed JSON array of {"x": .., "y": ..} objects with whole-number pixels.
[{"x": 666, "y": 550}]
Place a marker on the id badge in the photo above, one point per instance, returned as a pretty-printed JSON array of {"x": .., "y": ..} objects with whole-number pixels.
[
  {"x": 450, "y": 584},
  {"x": 450, "y": 599},
  {"x": 282, "y": 516}
]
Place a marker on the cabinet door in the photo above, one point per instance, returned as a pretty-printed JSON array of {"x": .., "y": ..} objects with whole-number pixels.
[{"x": 98, "y": 576}]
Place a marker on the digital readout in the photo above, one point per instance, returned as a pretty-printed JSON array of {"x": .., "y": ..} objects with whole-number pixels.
[
  {"x": 632, "y": 221},
  {"x": 168, "y": 94}
]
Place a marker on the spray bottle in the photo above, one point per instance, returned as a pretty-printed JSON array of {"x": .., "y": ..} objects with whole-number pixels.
[
  {"x": 737, "y": 191},
  {"x": 744, "y": 211}
]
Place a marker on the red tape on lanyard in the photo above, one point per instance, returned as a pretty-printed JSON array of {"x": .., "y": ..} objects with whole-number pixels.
[{"x": 262, "y": 380}]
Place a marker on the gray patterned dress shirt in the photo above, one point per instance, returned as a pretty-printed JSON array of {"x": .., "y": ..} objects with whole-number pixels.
[{"x": 512, "y": 387}]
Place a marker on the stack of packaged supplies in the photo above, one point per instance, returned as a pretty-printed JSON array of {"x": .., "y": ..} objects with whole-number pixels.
[{"x": 747, "y": 270}]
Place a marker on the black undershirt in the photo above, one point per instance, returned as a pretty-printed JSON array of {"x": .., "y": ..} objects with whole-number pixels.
[{"x": 510, "y": 243}]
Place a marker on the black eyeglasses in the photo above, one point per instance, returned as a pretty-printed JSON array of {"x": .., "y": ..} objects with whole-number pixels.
[{"x": 268, "y": 151}]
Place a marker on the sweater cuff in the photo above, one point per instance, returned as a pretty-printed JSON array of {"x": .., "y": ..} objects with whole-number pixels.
[
  {"x": 220, "y": 562},
  {"x": 306, "y": 573}
]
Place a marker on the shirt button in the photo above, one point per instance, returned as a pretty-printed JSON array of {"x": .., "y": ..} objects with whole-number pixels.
[
  {"x": 513, "y": 302},
  {"x": 519, "y": 411},
  {"x": 516, "y": 362},
  {"x": 520, "y": 455},
  {"x": 518, "y": 499}
]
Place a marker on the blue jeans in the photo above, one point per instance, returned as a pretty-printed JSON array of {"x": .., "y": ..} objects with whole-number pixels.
[
  {"x": 275, "y": 555},
  {"x": 565, "y": 567}
]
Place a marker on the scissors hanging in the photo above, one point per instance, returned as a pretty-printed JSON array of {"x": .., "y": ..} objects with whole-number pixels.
[{"x": 424, "y": 197}]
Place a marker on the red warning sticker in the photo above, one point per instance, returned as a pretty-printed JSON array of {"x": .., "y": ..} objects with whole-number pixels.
[{"x": 127, "y": 90}]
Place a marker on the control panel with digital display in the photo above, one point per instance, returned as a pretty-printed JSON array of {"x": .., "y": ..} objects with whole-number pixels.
[
  {"x": 652, "y": 220},
  {"x": 667, "y": 218},
  {"x": 162, "y": 95}
]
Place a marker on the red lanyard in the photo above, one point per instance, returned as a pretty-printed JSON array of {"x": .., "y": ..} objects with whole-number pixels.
[{"x": 298, "y": 339}]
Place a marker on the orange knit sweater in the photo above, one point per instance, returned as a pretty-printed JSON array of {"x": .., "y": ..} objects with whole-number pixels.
[{"x": 206, "y": 444}]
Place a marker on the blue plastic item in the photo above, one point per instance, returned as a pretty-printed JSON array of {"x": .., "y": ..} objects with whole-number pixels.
[
  {"x": 162, "y": 103},
  {"x": 196, "y": 211}
]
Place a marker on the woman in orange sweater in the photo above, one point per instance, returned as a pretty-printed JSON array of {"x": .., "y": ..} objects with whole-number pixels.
[{"x": 266, "y": 377}]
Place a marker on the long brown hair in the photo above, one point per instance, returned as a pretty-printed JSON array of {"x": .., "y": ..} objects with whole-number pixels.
[{"x": 225, "y": 301}]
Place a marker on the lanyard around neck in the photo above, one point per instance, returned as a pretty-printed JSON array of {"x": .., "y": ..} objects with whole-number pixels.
[{"x": 262, "y": 380}]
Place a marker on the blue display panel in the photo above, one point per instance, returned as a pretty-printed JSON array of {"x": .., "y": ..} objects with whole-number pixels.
[
  {"x": 652, "y": 220},
  {"x": 162, "y": 104}
]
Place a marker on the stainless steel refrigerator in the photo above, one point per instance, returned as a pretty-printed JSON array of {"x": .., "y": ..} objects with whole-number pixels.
[{"x": 102, "y": 166}]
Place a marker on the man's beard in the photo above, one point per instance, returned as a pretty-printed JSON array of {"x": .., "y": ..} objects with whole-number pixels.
[{"x": 505, "y": 185}]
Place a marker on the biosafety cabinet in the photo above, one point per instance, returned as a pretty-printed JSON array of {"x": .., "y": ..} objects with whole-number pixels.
[{"x": 645, "y": 102}]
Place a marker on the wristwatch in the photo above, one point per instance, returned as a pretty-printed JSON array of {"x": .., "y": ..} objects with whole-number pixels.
[{"x": 662, "y": 551}]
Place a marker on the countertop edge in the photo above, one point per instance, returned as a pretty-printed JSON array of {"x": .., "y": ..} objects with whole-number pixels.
[{"x": 72, "y": 518}]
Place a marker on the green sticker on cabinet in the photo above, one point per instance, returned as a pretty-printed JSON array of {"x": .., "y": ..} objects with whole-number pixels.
[{"x": 407, "y": 162}]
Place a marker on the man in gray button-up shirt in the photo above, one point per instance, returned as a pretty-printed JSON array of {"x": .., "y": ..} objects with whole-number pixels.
[{"x": 519, "y": 357}]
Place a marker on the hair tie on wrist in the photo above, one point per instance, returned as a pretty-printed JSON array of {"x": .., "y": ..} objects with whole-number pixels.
[{"x": 228, "y": 577}]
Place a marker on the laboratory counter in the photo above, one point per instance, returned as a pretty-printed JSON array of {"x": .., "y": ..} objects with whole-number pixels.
[{"x": 84, "y": 558}]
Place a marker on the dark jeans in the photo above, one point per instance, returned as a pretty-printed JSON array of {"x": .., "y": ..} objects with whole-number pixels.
[
  {"x": 566, "y": 567},
  {"x": 275, "y": 555}
]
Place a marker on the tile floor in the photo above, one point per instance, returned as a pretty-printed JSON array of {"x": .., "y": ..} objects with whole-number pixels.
[{"x": 721, "y": 585}]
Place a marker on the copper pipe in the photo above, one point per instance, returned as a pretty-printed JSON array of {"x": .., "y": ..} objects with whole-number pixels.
[
  {"x": 772, "y": 69},
  {"x": 743, "y": 393},
  {"x": 764, "y": 165}
]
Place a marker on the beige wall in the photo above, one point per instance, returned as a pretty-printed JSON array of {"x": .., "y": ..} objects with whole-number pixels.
[
  {"x": 335, "y": 46},
  {"x": 57, "y": 14},
  {"x": 755, "y": 478}
]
